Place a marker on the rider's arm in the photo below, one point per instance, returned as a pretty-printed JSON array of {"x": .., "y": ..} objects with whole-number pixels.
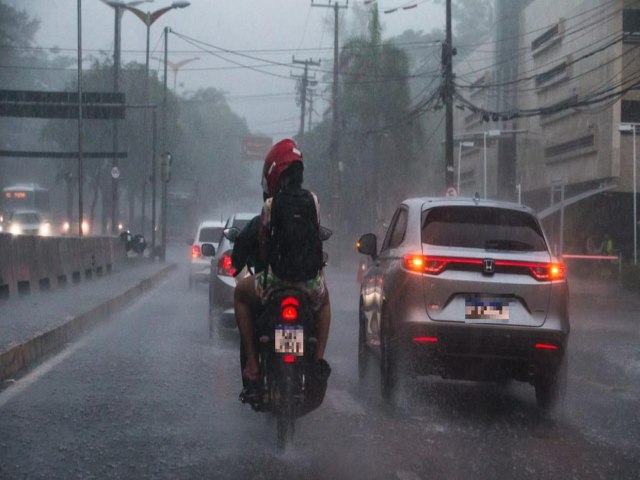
[{"x": 263, "y": 232}]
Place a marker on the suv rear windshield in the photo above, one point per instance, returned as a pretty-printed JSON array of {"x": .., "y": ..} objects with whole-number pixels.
[
  {"x": 210, "y": 234},
  {"x": 486, "y": 228}
]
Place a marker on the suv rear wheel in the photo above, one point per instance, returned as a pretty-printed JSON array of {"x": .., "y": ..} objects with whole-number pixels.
[
  {"x": 551, "y": 389},
  {"x": 388, "y": 359},
  {"x": 363, "y": 351}
]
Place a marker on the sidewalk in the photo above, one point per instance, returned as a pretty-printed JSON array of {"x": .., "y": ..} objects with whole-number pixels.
[{"x": 34, "y": 326}]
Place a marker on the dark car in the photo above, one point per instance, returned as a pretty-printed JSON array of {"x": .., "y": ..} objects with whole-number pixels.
[{"x": 465, "y": 289}]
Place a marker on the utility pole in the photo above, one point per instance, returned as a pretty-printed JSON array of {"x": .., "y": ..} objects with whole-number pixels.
[
  {"x": 311, "y": 93},
  {"x": 80, "y": 139},
  {"x": 163, "y": 220},
  {"x": 447, "y": 95},
  {"x": 335, "y": 131},
  {"x": 114, "y": 139},
  {"x": 304, "y": 79}
]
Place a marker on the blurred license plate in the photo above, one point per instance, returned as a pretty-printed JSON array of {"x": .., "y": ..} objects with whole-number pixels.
[
  {"x": 486, "y": 310},
  {"x": 290, "y": 339}
]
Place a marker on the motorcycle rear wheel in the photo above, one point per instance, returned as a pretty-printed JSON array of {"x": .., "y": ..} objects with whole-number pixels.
[{"x": 285, "y": 415}]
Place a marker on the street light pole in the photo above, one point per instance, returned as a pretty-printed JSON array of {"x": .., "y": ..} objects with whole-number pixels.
[
  {"x": 148, "y": 18},
  {"x": 80, "y": 139},
  {"x": 631, "y": 127},
  {"x": 460, "y": 145},
  {"x": 175, "y": 67},
  {"x": 117, "y": 6},
  {"x": 491, "y": 133}
]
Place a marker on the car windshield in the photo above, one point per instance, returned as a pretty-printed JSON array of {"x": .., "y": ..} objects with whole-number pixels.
[
  {"x": 25, "y": 218},
  {"x": 210, "y": 234},
  {"x": 482, "y": 227}
]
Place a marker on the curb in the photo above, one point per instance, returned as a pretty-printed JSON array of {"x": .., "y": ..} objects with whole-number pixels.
[{"x": 24, "y": 355}]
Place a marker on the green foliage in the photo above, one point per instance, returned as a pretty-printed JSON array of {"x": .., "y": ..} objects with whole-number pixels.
[
  {"x": 378, "y": 144},
  {"x": 211, "y": 148}
]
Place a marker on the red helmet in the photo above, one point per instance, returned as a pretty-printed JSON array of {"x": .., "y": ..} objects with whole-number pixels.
[{"x": 279, "y": 158}]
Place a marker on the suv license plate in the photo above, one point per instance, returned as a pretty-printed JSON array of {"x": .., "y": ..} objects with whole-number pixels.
[
  {"x": 486, "y": 311},
  {"x": 290, "y": 339}
]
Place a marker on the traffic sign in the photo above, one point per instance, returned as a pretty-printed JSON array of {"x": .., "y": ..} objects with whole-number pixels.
[
  {"x": 115, "y": 173},
  {"x": 255, "y": 147}
]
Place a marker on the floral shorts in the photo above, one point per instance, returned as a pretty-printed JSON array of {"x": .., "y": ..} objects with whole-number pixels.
[{"x": 316, "y": 288}]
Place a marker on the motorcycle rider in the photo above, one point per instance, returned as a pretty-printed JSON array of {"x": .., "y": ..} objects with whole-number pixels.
[{"x": 283, "y": 168}]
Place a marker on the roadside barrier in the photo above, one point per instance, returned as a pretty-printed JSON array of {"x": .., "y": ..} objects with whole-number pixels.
[
  {"x": 597, "y": 258},
  {"x": 30, "y": 264}
]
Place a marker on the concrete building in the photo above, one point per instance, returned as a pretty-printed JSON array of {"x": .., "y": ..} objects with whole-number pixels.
[{"x": 547, "y": 94}]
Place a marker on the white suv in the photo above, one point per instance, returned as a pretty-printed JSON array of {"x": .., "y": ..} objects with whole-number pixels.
[{"x": 208, "y": 232}]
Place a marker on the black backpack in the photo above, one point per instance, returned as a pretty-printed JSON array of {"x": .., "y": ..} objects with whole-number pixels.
[
  {"x": 245, "y": 248},
  {"x": 295, "y": 248}
]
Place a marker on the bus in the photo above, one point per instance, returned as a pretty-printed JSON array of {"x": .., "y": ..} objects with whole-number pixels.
[
  {"x": 30, "y": 203},
  {"x": 25, "y": 196}
]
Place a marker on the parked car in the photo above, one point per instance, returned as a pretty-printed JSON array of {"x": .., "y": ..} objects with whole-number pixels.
[
  {"x": 209, "y": 231},
  {"x": 465, "y": 289},
  {"x": 222, "y": 282},
  {"x": 26, "y": 222}
]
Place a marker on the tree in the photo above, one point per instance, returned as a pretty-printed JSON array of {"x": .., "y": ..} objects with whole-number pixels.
[
  {"x": 379, "y": 132},
  {"x": 472, "y": 20},
  {"x": 23, "y": 66},
  {"x": 211, "y": 149},
  {"x": 98, "y": 134}
]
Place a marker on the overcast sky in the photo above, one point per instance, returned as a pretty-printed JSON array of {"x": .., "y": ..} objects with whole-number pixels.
[{"x": 269, "y": 30}]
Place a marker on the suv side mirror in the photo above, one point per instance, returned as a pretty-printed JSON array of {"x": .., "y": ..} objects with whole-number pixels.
[
  {"x": 208, "y": 250},
  {"x": 231, "y": 233},
  {"x": 368, "y": 245}
]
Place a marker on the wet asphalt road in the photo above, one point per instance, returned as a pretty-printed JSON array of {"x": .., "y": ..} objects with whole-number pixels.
[{"x": 149, "y": 395}]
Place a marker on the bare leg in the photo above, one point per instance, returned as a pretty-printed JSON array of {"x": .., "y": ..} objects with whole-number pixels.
[
  {"x": 323, "y": 322},
  {"x": 244, "y": 300}
]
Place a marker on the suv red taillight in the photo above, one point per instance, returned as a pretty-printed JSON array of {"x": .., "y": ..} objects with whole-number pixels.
[
  {"x": 224, "y": 265},
  {"x": 541, "y": 271},
  {"x": 195, "y": 251}
]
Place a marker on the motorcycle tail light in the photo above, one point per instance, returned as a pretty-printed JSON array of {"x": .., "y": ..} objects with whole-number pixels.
[
  {"x": 289, "y": 308},
  {"x": 289, "y": 359}
]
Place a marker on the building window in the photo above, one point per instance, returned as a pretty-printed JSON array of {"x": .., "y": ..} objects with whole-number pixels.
[
  {"x": 556, "y": 73},
  {"x": 570, "y": 146},
  {"x": 630, "y": 111},
  {"x": 545, "y": 37},
  {"x": 631, "y": 22}
]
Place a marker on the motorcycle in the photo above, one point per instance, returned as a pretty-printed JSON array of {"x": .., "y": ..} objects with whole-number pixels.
[
  {"x": 135, "y": 243},
  {"x": 291, "y": 383}
]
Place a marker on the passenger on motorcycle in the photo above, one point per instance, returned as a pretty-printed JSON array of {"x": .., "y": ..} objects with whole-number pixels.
[{"x": 283, "y": 170}]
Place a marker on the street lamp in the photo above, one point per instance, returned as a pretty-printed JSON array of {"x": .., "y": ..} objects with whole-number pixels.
[
  {"x": 148, "y": 18},
  {"x": 491, "y": 133},
  {"x": 177, "y": 66},
  {"x": 631, "y": 127},
  {"x": 460, "y": 145},
  {"x": 118, "y": 10}
]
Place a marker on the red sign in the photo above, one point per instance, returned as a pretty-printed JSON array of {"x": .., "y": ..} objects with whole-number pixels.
[{"x": 255, "y": 147}]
